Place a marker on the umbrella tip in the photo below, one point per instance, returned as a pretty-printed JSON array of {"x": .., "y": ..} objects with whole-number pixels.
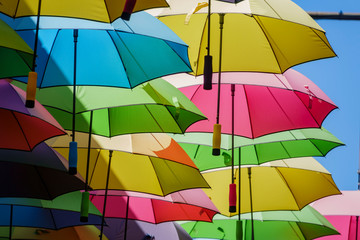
[
  {"x": 72, "y": 170},
  {"x": 30, "y": 103},
  {"x": 84, "y": 219}
]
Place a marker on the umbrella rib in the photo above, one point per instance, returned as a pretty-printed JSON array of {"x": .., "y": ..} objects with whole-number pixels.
[
  {"x": 47, "y": 61},
  {"x": 286, "y": 183},
  {"x": 129, "y": 52},
  {"x": 93, "y": 171},
  {"x": 328, "y": 45},
  {"x": 153, "y": 211},
  {"x": 258, "y": 21},
  {"x": 43, "y": 182},
  {"x": 109, "y": 121},
  {"x": 246, "y": 98},
  {"x": 145, "y": 105},
  {"x": 166, "y": 41},
  {"x": 158, "y": 180},
  {"x": 27, "y": 141},
  {"x": 269, "y": 5},
  {"x": 53, "y": 218}
]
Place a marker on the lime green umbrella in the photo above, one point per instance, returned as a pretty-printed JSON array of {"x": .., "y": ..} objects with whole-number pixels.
[
  {"x": 281, "y": 145},
  {"x": 156, "y": 106},
  {"x": 16, "y": 55},
  {"x": 279, "y": 225}
]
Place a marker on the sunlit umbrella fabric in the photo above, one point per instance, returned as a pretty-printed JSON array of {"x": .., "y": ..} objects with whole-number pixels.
[
  {"x": 288, "y": 144},
  {"x": 258, "y": 35},
  {"x": 23, "y": 128},
  {"x": 288, "y": 187},
  {"x": 283, "y": 225},
  {"x": 135, "y": 172},
  {"x": 131, "y": 52},
  {"x": 191, "y": 204},
  {"x": 99, "y": 10}
]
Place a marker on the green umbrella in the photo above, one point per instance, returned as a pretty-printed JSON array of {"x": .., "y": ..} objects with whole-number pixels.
[
  {"x": 16, "y": 55},
  {"x": 162, "y": 108},
  {"x": 281, "y": 145},
  {"x": 272, "y": 225}
]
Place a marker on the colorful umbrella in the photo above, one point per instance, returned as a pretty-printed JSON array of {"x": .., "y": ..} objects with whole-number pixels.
[
  {"x": 274, "y": 187},
  {"x": 143, "y": 230},
  {"x": 258, "y": 109},
  {"x": 141, "y": 173},
  {"x": 163, "y": 108},
  {"x": 74, "y": 233},
  {"x": 29, "y": 181},
  {"x": 131, "y": 52},
  {"x": 282, "y": 225},
  {"x": 23, "y": 128},
  {"x": 42, "y": 155},
  {"x": 343, "y": 212},
  {"x": 16, "y": 55},
  {"x": 273, "y": 36},
  {"x": 99, "y": 10},
  {"x": 149, "y": 208},
  {"x": 61, "y": 212},
  {"x": 282, "y": 145}
]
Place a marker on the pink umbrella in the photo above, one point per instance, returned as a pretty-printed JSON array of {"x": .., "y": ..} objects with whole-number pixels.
[
  {"x": 264, "y": 103},
  {"x": 343, "y": 213},
  {"x": 191, "y": 204}
]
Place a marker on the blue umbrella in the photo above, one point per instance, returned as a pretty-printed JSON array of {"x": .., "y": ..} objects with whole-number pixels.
[
  {"x": 81, "y": 52},
  {"x": 59, "y": 213}
]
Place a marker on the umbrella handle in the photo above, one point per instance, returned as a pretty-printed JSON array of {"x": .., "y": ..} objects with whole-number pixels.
[
  {"x": 216, "y": 140},
  {"x": 232, "y": 197},
  {"x": 73, "y": 158},
  {"x": 128, "y": 9},
  {"x": 31, "y": 90}
]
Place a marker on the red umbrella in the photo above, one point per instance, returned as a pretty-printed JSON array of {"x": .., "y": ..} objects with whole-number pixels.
[{"x": 23, "y": 128}]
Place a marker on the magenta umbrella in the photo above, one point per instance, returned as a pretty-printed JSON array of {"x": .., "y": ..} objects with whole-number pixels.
[
  {"x": 343, "y": 213},
  {"x": 190, "y": 204},
  {"x": 263, "y": 103},
  {"x": 23, "y": 128}
]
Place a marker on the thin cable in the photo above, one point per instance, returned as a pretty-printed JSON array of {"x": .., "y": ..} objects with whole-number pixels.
[
  {"x": 232, "y": 130},
  {"x": 251, "y": 206},
  {"x": 76, "y": 34},
  {"x": 221, "y": 22}
]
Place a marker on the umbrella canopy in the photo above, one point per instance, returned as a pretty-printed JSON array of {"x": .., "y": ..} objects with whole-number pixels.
[
  {"x": 282, "y": 145},
  {"x": 345, "y": 216},
  {"x": 23, "y": 128},
  {"x": 287, "y": 187},
  {"x": 98, "y": 10},
  {"x": 116, "y": 111},
  {"x": 257, "y": 35},
  {"x": 42, "y": 155},
  {"x": 287, "y": 225},
  {"x": 139, "y": 230},
  {"x": 16, "y": 55},
  {"x": 61, "y": 212},
  {"x": 74, "y": 233},
  {"x": 153, "y": 209},
  {"x": 258, "y": 109},
  {"x": 29, "y": 181},
  {"x": 131, "y": 52},
  {"x": 140, "y": 173}
]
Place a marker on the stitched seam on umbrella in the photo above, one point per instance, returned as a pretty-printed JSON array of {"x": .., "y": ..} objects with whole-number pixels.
[
  {"x": 294, "y": 231},
  {"x": 277, "y": 169},
  {"x": 109, "y": 121},
  {"x": 47, "y": 61},
  {"x": 153, "y": 211},
  {"x": 93, "y": 171},
  {"x": 107, "y": 11},
  {"x": 274, "y": 11},
  {"x": 43, "y": 182},
  {"x": 248, "y": 111},
  {"x": 189, "y": 66},
  {"x": 27, "y": 142},
  {"x": 158, "y": 180},
  {"x": 191, "y": 99},
  {"x": 324, "y": 41},
  {"x": 130, "y": 53},
  {"x": 258, "y": 21},
  {"x": 154, "y": 117},
  {"x": 53, "y": 218}
]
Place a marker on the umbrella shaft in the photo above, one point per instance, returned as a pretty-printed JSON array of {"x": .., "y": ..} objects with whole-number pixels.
[
  {"x": 76, "y": 32},
  {"x": 36, "y": 36},
  {"x": 222, "y": 15},
  {"x": 106, "y": 193}
]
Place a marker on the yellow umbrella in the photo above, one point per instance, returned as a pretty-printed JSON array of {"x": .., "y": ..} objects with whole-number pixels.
[
  {"x": 257, "y": 35},
  {"x": 273, "y": 187},
  {"x": 97, "y": 10}
]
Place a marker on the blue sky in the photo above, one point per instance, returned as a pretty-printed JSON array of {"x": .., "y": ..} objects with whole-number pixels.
[{"x": 339, "y": 78}]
